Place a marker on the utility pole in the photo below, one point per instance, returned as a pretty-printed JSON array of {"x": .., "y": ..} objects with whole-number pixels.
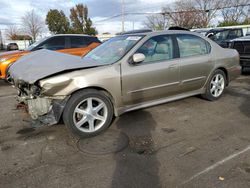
[
  {"x": 123, "y": 11},
  {"x": 1, "y": 40}
]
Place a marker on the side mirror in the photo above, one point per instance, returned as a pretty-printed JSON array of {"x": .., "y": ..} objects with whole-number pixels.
[
  {"x": 210, "y": 35},
  {"x": 138, "y": 58}
]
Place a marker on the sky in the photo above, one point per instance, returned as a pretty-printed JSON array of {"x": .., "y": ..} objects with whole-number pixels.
[{"x": 11, "y": 11}]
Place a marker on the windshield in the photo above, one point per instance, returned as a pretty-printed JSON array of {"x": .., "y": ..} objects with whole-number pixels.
[
  {"x": 32, "y": 46},
  {"x": 114, "y": 49}
]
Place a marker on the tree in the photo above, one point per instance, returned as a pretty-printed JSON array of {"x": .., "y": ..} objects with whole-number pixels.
[
  {"x": 32, "y": 24},
  {"x": 236, "y": 13},
  {"x": 182, "y": 14},
  {"x": 207, "y": 10},
  {"x": 192, "y": 13},
  {"x": 12, "y": 32},
  {"x": 57, "y": 22},
  {"x": 81, "y": 23},
  {"x": 156, "y": 22}
]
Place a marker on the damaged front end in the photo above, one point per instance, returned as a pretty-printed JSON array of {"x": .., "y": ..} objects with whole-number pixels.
[
  {"x": 43, "y": 110},
  {"x": 43, "y": 87}
]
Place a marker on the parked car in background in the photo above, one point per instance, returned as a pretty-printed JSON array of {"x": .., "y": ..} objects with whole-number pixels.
[
  {"x": 223, "y": 36},
  {"x": 70, "y": 44},
  {"x": 203, "y": 32},
  {"x": 126, "y": 73},
  {"x": 242, "y": 45},
  {"x": 12, "y": 46}
]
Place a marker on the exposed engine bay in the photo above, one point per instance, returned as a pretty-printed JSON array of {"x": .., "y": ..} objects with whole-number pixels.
[{"x": 43, "y": 110}]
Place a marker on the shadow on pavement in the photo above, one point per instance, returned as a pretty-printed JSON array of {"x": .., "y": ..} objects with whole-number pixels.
[
  {"x": 4, "y": 83},
  {"x": 137, "y": 166},
  {"x": 242, "y": 92}
]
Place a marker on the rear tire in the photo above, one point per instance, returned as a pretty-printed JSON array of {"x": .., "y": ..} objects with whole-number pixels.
[
  {"x": 88, "y": 113},
  {"x": 215, "y": 86}
]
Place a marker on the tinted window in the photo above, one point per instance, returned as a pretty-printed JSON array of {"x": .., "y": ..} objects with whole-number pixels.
[
  {"x": 159, "y": 48},
  {"x": 55, "y": 43},
  {"x": 78, "y": 42},
  {"x": 93, "y": 39},
  {"x": 37, "y": 44},
  {"x": 191, "y": 45}
]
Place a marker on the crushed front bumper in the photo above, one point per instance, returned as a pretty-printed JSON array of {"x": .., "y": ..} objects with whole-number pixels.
[{"x": 45, "y": 111}]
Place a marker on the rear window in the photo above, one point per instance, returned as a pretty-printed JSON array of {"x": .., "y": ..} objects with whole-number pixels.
[
  {"x": 93, "y": 39},
  {"x": 79, "y": 42},
  {"x": 191, "y": 45}
]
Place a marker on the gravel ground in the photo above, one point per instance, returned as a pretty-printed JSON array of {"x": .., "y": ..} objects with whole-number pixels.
[{"x": 187, "y": 143}]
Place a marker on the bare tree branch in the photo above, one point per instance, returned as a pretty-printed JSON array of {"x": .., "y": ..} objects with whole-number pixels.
[
  {"x": 32, "y": 24},
  {"x": 12, "y": 32},
  {"x": 156, "y": 22},
  {"x": 208, "y": 8},
  {"x": 236, "y": 13}
]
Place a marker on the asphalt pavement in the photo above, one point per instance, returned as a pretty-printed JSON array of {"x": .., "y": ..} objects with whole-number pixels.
[{"x": 186, "y": 143}]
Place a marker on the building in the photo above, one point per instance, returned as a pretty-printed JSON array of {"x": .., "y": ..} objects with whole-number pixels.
[
  {"x": 105, "y": 36},
  {"x": 23, "y": 41}
]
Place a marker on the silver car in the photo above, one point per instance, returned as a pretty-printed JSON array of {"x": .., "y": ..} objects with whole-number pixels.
[{"x": 126, "y": 73}]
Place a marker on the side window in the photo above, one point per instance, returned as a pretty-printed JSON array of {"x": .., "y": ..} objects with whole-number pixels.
[
  {"x": 78, "y": 42},
  {"x": 159, "y": 48},
  {"x": 67, "y": 42},
  {"x": 55, "y": 43},
  {"x": 221, "y": 35},
  {"x": 191, "y": 45},
  {"x": 235, "y": 34},
  {"x": 93, "y": 39}
]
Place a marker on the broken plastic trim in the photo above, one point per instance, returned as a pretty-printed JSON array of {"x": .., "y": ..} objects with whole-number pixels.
[{"x": 53, "y": 116}]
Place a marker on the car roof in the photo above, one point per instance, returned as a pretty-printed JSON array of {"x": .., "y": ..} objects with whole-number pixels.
[
  {"x": 222, "y": 29},
  {"x": 78, "y": 35},
  {"x": 165, "y": 32},
  {"x": 135, "y": 31}
]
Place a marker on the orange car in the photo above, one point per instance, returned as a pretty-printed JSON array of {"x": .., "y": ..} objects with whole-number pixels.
[{"x": 67, "y": 43}]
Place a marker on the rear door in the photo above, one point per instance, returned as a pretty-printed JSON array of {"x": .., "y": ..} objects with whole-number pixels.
[
  {"x": 195, "y": 61},
  {"x": 156, "y": 77}
]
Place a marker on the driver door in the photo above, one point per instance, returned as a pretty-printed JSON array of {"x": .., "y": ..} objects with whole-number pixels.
[{"x": 154, "y": 78}]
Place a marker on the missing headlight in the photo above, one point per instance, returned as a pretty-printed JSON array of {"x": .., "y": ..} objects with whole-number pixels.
[{"x": 35, "y": 90}]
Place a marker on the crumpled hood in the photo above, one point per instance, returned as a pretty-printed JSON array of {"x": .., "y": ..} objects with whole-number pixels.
[{"x": 43, "y": 63}]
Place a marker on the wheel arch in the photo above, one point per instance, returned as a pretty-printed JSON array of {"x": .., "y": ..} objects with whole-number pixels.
[
  {"x": 225, "y": 72},
  {"x": 105, "y": 91}
]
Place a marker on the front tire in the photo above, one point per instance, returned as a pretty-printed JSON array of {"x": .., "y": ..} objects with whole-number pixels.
[
  {"x": 88, "y": 113},
  {"x": 216, "y": 86}
]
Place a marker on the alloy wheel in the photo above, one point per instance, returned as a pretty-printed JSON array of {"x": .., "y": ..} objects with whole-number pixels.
[
  {"x": 217, "y": 85},
  {"x": 90, "y": 115}
]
